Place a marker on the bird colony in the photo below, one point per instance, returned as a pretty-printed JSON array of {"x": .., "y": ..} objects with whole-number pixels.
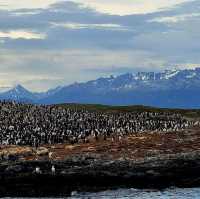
[{"x": 35, "y": 125}]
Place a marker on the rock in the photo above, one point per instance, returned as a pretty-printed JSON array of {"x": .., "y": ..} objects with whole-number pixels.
[
  {"x": 14, "y": 169},
  {"x": 14, "y": 153},
  {"x": 153, "y": 152},
  {"x": 84, "y": 171},
  {"x": 42, "y": 151},
  {"x": 69, "y": 147}
]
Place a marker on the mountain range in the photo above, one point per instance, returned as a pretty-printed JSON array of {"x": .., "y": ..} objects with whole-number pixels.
[{"x": 171, "y": 89}]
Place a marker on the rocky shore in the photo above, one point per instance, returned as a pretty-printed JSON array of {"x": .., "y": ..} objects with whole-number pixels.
[{"x": 148, "y": 161}]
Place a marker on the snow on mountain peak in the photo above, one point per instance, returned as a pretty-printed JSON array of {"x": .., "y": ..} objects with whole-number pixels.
[
  {"x": 18, "y": 88},
  {"x": 114, "y": 85},
  {"x": 189, "y": 76},
  {"x": 170, "y": 73}
]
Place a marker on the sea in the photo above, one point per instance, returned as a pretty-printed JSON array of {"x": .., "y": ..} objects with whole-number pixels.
[{"x": 172, "y": 193}]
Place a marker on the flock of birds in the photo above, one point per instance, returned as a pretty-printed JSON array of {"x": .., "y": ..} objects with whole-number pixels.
[{"x": 35, "y": 125}]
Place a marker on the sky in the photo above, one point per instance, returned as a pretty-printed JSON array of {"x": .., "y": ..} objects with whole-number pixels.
[{"x": 44, "y": 44}]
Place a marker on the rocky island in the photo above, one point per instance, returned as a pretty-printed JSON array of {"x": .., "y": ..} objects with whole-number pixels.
[
  {"x": 141, "y": 161},
  {"x": 55, "y": 150}
]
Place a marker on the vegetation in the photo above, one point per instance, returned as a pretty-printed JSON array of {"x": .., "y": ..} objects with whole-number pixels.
[{"x": 190, "y": 113}]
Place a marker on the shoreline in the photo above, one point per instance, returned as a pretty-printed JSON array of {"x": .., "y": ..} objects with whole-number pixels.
[
  {"x": 148, "y": 160},
  {"x": 88, "y": 174}
]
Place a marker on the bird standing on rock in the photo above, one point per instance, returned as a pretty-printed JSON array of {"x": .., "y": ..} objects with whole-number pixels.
[
  {"x": 53, "y": 169},
  {"x": 37, "y": 170}
]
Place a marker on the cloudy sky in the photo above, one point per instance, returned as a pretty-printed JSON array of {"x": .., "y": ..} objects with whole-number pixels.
[{"x": 48, "y": 43}]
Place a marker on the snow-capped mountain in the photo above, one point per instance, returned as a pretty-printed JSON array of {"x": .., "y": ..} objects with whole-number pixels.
[
  {"x": 171, "y": 88},
  {"x": 50, "y": 92},
  {"x": 18, "y": 93}
]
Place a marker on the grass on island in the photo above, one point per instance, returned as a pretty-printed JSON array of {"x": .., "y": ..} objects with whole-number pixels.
[{"x": 190, "y": 113}]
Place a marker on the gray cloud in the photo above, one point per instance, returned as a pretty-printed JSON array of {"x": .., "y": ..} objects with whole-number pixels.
[{"x": 82, "y": 44}]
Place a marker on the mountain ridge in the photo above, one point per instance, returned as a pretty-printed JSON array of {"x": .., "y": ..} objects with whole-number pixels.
[{"x": 171, "y": 88}]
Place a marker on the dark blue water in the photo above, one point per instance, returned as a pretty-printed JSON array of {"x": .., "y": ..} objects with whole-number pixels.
[
  {"x": 142, "y": 194},
  {"x": 175, "y": 193}
]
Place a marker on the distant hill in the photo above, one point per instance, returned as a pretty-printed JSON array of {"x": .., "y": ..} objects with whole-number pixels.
[
  {"x": 171, "y": 89},
  {"x": 189, "y": 113}
]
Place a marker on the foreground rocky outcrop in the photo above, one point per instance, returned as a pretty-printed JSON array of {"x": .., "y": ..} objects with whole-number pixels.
[
  {"x": 148, "y": 160},
  {"x": 85, "y": 173}
]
